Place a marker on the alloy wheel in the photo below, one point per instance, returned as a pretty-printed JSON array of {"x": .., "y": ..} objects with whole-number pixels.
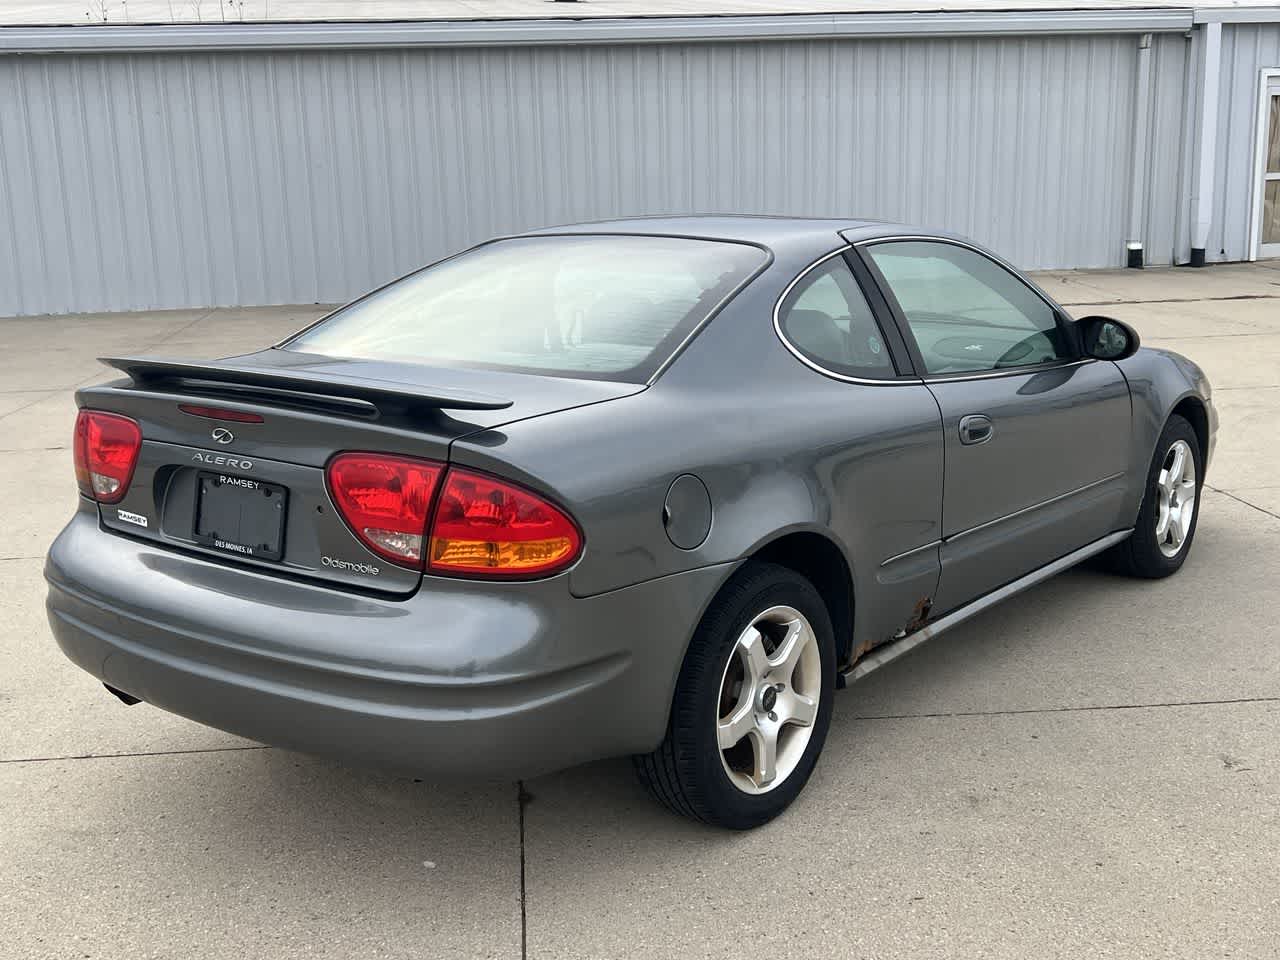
[
  {"x": 1176, "y": 489},
  {"x": 769, "y": 697}
]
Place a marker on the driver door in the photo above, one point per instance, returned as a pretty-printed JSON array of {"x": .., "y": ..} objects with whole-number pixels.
[{"x": 1036, "y": 438}]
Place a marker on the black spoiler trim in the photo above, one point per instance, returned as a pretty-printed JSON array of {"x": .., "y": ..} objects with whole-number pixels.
[{"x": 150, "y": 370}]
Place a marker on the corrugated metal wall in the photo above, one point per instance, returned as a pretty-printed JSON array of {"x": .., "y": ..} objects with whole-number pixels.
[
  {"x": 1246, "y": 50},
  {"x": 1165, "y": 203},
  {"x": 165, "y": 180}
]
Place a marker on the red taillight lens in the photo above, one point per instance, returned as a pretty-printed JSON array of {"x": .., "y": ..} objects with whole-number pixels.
[
  {"x": 106, "y": 451},
  {"x": 483, "y": 526},
  {"x": 489, "y": 527},
  {"x": 385, "y": 500}
]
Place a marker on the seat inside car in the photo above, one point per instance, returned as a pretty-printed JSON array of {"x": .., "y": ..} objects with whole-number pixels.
[{"x": 818, "y": 334}]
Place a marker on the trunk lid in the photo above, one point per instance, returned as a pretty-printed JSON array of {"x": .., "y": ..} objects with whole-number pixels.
[{"x": 263, "y": 483}]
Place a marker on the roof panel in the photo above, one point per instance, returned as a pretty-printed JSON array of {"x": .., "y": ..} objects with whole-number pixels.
[{"x": 754, "y": 228}]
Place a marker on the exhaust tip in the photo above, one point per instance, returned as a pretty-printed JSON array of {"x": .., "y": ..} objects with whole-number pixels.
[{"x": 127, "y": 699}]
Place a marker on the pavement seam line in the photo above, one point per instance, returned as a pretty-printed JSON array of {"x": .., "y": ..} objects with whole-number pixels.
[
  {"x": 1091, "y": 708},
  {"x": 141, "y": 753},
  {"x": 150, "y": 345},
  {"x": 522, "y": 800},
  {"x": 182, "y": 329},
  {"x": 79, "y": 383},
  {"x": 1244, "y": 501},
  {"x": 51, "y": 393},
  {"x": 1121, "y": 303},
  {"x": 1213, "y": 336}
]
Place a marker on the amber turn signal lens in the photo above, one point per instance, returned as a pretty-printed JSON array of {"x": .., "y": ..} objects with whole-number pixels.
[{"x": 488, "y": 527}]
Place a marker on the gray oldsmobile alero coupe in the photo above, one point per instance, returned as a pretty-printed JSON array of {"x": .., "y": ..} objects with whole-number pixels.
[{"x": 652, "y": 487}]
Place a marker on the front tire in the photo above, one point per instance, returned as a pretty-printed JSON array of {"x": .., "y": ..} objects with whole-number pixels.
[
  {"x": 752, "y": 703},
  {"x": 1170, "y": 508}
]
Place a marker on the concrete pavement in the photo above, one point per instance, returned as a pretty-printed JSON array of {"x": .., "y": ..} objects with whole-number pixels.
[{"x": 1092, "y": 769}]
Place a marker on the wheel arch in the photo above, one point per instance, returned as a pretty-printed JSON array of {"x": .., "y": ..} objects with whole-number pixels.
[
  {"x": 820, "y": 560},
  {"x": 813, "y": 554},
  {"x": 1161, "y": 384},
  {"x": 1192, "y": 409}
]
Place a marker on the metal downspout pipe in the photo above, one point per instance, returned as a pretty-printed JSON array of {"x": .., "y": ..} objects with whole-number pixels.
[
  {"x": 1206, "y": 140},
  {"x": 1141, "y": 155}
]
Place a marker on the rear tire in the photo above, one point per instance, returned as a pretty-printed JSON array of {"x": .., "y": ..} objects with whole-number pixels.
[
  {"x": 1170, "y": 508},
  {"x": 752, "y": 703}
]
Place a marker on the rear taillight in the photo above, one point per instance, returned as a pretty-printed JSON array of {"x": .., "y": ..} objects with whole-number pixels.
[
  {"x": 106, "y": 451},
  {"x": 489, "y": 527},
  {"x": 385, "y": 501},
  {"x": 481, "y": 526}
]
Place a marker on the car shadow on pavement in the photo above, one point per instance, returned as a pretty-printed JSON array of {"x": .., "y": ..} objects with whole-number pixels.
[{"x": 1071, "y": 644}]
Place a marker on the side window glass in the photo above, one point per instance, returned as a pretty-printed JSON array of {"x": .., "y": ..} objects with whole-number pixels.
[
  {"x": 827, "y": 320},
  {"x": 968, "y": 313}
]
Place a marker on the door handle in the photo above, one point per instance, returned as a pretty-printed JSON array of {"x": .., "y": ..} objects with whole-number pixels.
[{"x": 976, "y": 428}]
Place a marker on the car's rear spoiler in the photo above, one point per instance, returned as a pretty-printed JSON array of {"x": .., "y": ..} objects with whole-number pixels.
[{"x": 361, "y": 395}]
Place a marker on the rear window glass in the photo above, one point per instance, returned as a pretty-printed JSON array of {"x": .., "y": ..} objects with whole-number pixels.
[{"x": 602, "y": 307}]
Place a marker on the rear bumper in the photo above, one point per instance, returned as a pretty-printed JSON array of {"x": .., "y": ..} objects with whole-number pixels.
[{"x": 465, "y": 678}]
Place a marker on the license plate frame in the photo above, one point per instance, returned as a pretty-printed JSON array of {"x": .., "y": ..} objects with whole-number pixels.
[{"x": 251, "y": 514}]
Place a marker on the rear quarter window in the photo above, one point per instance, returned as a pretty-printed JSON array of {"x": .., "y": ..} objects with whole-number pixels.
[{"x": 827, "y": 320}]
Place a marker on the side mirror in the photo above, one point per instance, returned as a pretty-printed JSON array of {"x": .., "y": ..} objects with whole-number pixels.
[{"x": 1108, "y": 339}]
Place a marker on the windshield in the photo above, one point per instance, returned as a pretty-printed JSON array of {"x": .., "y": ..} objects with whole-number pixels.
[{"x": 602, "y": 307}]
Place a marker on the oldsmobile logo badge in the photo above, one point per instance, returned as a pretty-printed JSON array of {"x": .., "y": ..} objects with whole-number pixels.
[{"x": 223, "y": 435}]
